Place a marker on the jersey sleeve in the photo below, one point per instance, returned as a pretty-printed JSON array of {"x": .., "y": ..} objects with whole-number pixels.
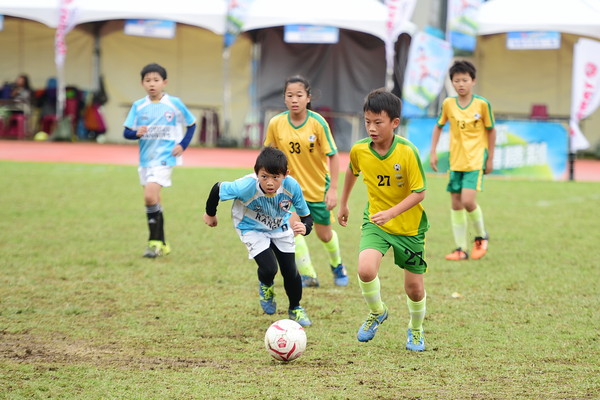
[
  {"x": 354, "y": 166},
  {"x": 325, "y": 137},
  {"x": 443, "y": 117},
  {"x": 270, "y": 136},
  {"x": 130, "y": 121},
  {"x": 417, "y": 180},
  {"x": 241, "y": 189},
  {"x": 188, "y": 117},
  {"x": 488, "y": 115}
]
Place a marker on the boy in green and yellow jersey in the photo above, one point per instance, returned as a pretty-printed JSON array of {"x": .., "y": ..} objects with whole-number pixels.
[
  {"x": 393, "y": 216},
  {"x": 472, "y": 142}
]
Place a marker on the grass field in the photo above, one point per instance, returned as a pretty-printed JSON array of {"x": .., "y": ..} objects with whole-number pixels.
[{"x": 84, "y": 316}]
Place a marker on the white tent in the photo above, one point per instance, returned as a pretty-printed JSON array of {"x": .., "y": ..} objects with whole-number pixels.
[
  {"x": 208, "y": 14},
  {"x": 578, "y": 17},
  {"x": 368, "y": 16}
]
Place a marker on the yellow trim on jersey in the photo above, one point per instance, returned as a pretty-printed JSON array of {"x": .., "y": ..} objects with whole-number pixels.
[
  {"x": 307, "y": 147},
  {"x": 389, "y": 180},
  {"x": 468, "y": 131}
]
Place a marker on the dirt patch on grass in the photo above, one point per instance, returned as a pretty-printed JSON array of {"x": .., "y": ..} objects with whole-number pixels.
[{"x": 31, "y": 349}]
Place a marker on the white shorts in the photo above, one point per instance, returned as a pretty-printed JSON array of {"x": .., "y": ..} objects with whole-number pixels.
[
  {"x": 257, "y": 242},
  {"x": 160, "y": 175}
]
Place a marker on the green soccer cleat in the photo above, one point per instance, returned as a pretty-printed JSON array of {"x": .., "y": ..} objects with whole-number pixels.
[
  {"x": 155, "y": 249},
  {"x": 415, "y": 340},
  {"x": 166, "y": 249},
  {"x": 299, "y": 315},
  {"x": 369, "y": 328},
  {"x": 266, "y": 296}
]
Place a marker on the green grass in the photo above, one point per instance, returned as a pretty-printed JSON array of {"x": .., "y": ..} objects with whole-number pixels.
[{"x": 84, "y": 316}]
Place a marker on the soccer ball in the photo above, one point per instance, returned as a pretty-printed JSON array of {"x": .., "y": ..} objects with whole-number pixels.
[{"x": 285, "y": 340}]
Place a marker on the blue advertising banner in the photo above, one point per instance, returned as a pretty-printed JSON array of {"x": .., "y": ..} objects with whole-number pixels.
[{"x": 533, "y": 149}]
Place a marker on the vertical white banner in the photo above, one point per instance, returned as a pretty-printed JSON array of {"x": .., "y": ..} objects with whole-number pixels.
[
  {"x": 66, "y": 21},
  {"x": 585, "y": 92},
  {"x": 399, "y": 12}
]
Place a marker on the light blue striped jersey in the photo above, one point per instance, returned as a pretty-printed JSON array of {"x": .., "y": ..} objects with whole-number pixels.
[
  {"x": 253, "y": 210},
  {"x": 165, "y": 119}
]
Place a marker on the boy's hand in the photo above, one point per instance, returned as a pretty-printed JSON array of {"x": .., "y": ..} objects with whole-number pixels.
[
  {"x": 299, "y": 228},
  {"x": 177, "y": 150},
  {"x": 142, "y": 131},
  {"x": 433, "y": 160},
  {"x": 343, "y": 214},
  {"x": 331, "y": 199},
  {"x": 210, "y": 221},
  {"x": 381, "y": 217}
]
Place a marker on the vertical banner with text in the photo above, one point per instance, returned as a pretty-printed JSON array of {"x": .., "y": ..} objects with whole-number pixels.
[{"x": 585, "y": 92}]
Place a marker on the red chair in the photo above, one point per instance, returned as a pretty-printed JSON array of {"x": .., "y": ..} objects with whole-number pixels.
[
  {"x": 16, "y": 126},
  {"x": 539, "y": 111}
]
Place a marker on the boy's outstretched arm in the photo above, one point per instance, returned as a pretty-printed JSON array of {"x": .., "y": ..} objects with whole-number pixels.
[
  {"x": 210, "y": 216},
  {"x": 344, "y": 211}
]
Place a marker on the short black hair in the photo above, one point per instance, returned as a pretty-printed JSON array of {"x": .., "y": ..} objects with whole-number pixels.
[
  {"x": 462, "y": 67},
  {"x": 271, "y": 160},
  {"x": 154, "y": 68},
  {"x": 379, "y": 100}
]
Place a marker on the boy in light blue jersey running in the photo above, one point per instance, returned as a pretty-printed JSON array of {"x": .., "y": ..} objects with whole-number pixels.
[
  {"x": 157, "y": 122},
  {"x": 261, "y": 212}
]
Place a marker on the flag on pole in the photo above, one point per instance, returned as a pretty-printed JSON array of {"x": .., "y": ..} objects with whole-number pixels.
[
  {"x": 428, "y": 60},
  {"x": 399, "y": 12},
  {"x": 462, "y": 23},
  {"x": 585, "y": 91},
  {"x": 66, "y": 22},
  {"x": 236, "y": 16}
]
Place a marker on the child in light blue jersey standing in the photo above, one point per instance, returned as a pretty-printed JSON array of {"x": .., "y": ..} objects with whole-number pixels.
[
  {"x": 157, "y": 122},
  {"x": 261, "y": 214}
]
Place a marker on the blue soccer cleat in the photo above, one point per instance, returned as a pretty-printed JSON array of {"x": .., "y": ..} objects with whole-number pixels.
[
  {"x": 299, "y": 315},
  {"x": 415, "y": 340},
  {"x": 309, "y": 281},
  {"x": 369, "y": 328},
  {"x": 340, "y": 276},
  {"x": 267, "y": 298}
]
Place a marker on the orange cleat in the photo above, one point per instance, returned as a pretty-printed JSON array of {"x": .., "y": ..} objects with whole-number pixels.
[
  {"x": 479, "y": 247},
  {"x": 457, "y": 255}
]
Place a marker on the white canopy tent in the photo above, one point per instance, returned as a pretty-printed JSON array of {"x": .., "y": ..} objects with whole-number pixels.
[
  {"x": 573, "y": 19},
  {"x": 368, "y": 16},
  {"x": 578, "y": 17},
  {"x": 208, "y": 14}
]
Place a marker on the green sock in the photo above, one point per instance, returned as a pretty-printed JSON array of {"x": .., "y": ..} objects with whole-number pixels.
[
  {"x": 416, "y": 309},
  {"x": 476, "y": 219},
  {"x": 303, "y": 262},
  {"x": 371, "y": 291},
  {"x": 333, "y": 250},
  {"x": 459, "y": 228}
]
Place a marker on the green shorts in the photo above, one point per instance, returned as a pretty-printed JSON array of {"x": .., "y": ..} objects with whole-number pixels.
[
  {"x": 409, "y": 251},
  {"x": 460, "y": 180},
  {"x": 319, "y": 213}
]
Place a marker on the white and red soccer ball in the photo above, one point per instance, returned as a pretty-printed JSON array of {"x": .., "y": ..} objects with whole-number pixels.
[{"x": 285, "y": 340}]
